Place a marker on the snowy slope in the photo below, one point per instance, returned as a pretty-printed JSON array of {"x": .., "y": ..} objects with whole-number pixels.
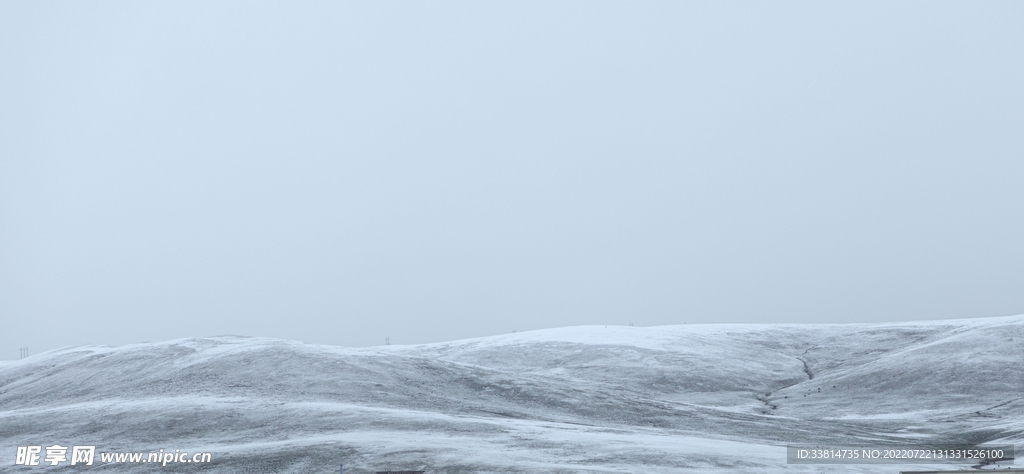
[{"x": 719, "y": 398}]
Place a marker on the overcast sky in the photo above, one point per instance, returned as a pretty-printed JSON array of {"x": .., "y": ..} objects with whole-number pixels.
[{"x": 338, "y": 172}]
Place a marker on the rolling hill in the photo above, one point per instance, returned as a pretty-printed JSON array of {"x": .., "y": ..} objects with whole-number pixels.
[{"x": 687, "y": 398}]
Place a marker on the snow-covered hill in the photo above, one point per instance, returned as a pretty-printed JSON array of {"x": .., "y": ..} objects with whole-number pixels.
[{"x": 713, "y": 398}]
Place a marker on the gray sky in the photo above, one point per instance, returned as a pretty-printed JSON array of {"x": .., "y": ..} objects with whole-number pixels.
[{"x": 340, "y": 172}]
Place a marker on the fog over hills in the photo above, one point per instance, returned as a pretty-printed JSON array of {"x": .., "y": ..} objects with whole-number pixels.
[{"x": 714, "y": 398}]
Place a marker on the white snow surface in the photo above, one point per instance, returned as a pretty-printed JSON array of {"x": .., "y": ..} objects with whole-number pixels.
[{"x": 686, "y": 398}]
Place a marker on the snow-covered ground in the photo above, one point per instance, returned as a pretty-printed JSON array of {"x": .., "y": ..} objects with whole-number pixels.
[{"x": 689, "y": 398}]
